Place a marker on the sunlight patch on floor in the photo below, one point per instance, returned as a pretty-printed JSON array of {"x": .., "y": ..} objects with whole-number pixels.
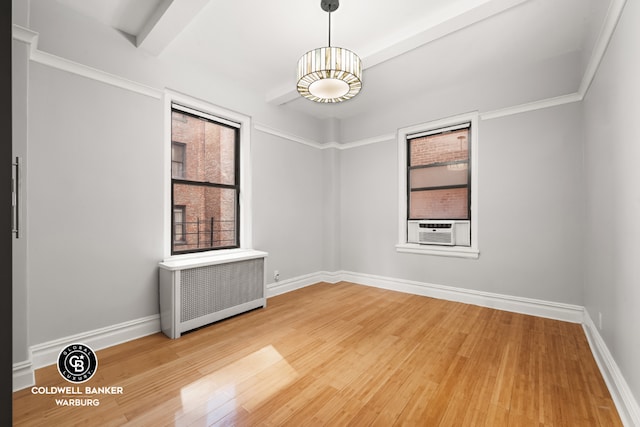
[{"x": 245, "y": 383}]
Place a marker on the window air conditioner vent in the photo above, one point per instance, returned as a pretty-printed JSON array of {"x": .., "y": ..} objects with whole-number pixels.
[{"x": 440, "y": 232}]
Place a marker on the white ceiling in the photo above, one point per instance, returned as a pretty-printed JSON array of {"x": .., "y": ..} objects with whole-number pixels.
[{"x": 407, "y": 46}]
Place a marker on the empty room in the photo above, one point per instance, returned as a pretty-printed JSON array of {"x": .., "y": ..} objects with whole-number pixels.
[{"x": 323, "y": 212}]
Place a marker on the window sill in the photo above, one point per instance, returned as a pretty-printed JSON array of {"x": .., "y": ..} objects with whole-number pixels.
[
  {"x": 448, "y": 251},
  {"x": 201, "y": 259}
]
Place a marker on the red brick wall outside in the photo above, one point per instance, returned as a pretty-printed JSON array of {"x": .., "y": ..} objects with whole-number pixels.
[
  {"x": 440, "y": 204},
  {"x": 440, "y": 148},
  {"x": 209, "y": 157},
  {"x": 446, "y": 203}
]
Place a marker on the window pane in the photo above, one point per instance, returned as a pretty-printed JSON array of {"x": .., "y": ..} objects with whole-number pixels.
[
  {"x": 438, "y": 176},
  {"x": 209, "y": 216},
  {"x": 439, "y": 204},
  {"x": 439, "y": 148},
  {"x": 177, "y": 160},
  {"x": 177, "y": 170},
  {"x": 209, "y": 149},
  {"x": 219, "y": 149},
  {"x": 177, "y": 152},
  {"x": 178, "y": 224}
]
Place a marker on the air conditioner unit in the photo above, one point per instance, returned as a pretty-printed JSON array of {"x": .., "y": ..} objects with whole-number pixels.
[{"x": 439, "y": 232}]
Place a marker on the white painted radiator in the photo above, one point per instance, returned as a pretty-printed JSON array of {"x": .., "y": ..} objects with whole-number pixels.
[{"x": 198, "y": 291}]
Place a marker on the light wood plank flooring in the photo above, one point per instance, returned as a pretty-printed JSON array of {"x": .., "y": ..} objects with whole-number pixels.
[{"x": 344, "y": 354}]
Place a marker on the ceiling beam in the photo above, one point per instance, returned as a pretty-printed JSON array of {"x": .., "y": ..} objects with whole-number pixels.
[
  {"x": 426, "y": 31},
  {"x": 169, "y": 19}
]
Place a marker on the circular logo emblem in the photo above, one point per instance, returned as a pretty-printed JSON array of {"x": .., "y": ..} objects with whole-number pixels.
[{"x": 77, "y": 363}]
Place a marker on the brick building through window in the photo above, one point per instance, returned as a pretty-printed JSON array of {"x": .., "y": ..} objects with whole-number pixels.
[
  {"x": 438, "y": 174},
  {"x": 204, "y": 182}
]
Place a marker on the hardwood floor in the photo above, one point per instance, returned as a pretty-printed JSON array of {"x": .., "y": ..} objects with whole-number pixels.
[{"x": 344, "y": 354}]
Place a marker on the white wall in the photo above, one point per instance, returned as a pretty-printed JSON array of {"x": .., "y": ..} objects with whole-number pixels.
[
  {"x": 95, "y": 204},
  {"x": 612, "y": 137},
  {"x": 95, "y": 180},
  {"x": 331, "y": 232},
  {"x": 530, "y": 211},
  {"x": 288, "y": 205}
]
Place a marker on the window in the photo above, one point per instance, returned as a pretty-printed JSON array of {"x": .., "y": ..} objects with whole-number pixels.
[
  {"x": 205, "y": 181},
  {"x": 177, "y": 159},
  {"x": 438, "y": 187},
  {"x": 438, "y": 174},
  {"x": 178, "y": 225}
]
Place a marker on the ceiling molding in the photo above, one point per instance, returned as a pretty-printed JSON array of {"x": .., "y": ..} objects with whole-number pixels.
[
  {"x": 532, "y": 106},
  {"x": 271, "y": 131},
  {"x": 600, "y": 47},
  {"x": 25, "y": 35},
  {"x": 166, "y": 22},
  {"x": 31, "y": 38},
  {"x": 368, "y": 141},
  {"x": 427, "y": 31}
]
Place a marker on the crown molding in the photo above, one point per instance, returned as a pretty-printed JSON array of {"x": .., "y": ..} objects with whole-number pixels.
[
  {"x": 532, "y": 106},
  {"x": 613, "y": 16},
  {"x": 275, "y": 132},
  {"x": 24, "y": 35},
  {"x": 368, "y": 141},
  {"x": 606, "y": 33},
  {"x": 324, "y": 146},
  {"x": 31, "y": 38}
]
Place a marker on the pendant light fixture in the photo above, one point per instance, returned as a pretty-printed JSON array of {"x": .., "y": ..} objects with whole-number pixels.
[{"x": 329, "y": 74}]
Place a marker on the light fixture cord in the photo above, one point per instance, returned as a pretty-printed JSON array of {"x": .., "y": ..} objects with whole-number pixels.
[{"x": 329, "y": 27}]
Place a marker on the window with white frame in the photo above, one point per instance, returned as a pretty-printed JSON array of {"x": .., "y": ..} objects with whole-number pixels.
[
  {"x": 208, "y": 191},
  {"x": 438, "y": 182},
  {"x": 208, "y": 184},
  {"x": 438, "y": 174}
]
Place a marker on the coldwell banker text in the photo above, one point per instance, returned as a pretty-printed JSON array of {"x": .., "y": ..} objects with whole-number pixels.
[{"x": 67, "y": 392}]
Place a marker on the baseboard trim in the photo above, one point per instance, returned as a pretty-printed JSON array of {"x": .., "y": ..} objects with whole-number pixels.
[
  {"x": 288, "y": 285},
  {"x": 47, "y": 353},
  {"x": 541, "y": 308},
  {"x": 23, "y": 375},
  {"x": 626, "y": 404},
  {"x": 548, "y": 309}
]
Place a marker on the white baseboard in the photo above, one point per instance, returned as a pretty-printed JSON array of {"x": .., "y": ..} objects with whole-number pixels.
[
  {"x": 626, "y": 404},
  {"x": 288, "y": 285},
  {"x": 548, "y": 309},
  {"x": 47, "y": 353},
  {"x": 23, "y": 375}
]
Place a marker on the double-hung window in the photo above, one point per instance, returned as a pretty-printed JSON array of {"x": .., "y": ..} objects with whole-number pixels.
[
  {"x": 438, "y": 187},
  {"x": 205, "y": 181},
  {"x": 438, "y": 175}
]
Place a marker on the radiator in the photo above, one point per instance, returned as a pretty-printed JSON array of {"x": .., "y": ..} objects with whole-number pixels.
[{"x": 200, "y": 291}]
